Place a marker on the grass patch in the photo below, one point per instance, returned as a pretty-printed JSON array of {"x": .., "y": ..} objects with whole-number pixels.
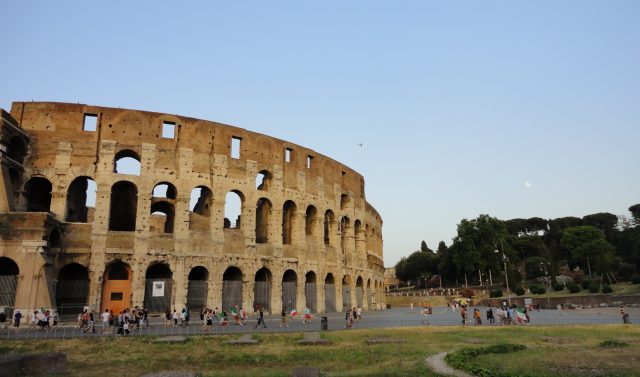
[
  {"x": 551, "y": 351},
  {"x": 463, "y": 358}
]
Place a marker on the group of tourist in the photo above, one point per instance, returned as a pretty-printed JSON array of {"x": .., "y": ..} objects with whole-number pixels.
[
  {"x": 176, "y": 318},
  {"x": 214, "y": 317},
  {"x": 351, "y": 315},
  {"x": 42, "y": 319},
  {"x": 507, "y": 315}
]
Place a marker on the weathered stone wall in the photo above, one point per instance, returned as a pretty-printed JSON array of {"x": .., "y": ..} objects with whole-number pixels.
[{"x": 301, "y": 191}]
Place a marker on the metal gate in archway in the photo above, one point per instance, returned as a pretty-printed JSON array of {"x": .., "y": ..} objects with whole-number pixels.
[
  {"x": 8, "y": 285},
  {"x": 329, "y": 298},
  {"x": 71, "y": 296},
  {"x": 346, "y": 297},
  {"x": 231, "y": 294},
  {"x": 197, "y": 295},
  {"x": 289, "y": 295},
  {"x": 157, "y": 295},
  {"x": 262, "y": 295},
  {"x": 359, "y": 296},
  {"x": 369, "y": 299},
  {"x": 310, "y": 294}
]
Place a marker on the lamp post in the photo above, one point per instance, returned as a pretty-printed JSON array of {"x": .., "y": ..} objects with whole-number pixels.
[{"x": 506, "y": 277}]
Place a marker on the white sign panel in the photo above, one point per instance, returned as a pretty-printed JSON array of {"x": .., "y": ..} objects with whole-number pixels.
[{"x": 158, "y": 289}]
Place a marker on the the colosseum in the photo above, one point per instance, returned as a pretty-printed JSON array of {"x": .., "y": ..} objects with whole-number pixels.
[{"x": 158, "y": 235}]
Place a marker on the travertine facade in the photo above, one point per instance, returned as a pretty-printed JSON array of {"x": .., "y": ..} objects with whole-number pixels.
[{"x": 158, "y": 235}]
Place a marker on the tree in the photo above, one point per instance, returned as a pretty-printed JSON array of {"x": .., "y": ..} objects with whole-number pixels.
[
  {"x": 587, "y": 247},
  {"x": 424, "y": 248},
  {"x": 442, "y": 247},
  {"x": 474, "y": 246},
  {"x": 604, "y": 221},
  {"x": 635, "y": 212}
]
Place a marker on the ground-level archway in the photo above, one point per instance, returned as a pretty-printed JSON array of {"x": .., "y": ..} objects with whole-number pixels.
[
  {"x": 158, "y": 287},
  {"x": 262, "y": 290},
  {"x": 197, "y": 289},
  {"x": 329, "y": 294},
  {"x": 231, "y": 288},
  {"x": 310, "y": 292},
  {"x": 72, "y": 289},
  {"x": 116, "y": 287},
  {"x": 289, "y": 290},
  {"x": 9, "y": 272}
]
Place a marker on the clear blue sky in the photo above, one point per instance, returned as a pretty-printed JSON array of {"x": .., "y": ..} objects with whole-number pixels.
[{"x": 511, "y": 108}]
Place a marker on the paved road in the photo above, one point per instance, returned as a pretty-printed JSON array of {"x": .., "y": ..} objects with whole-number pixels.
[{"x": 397, "y": 317}]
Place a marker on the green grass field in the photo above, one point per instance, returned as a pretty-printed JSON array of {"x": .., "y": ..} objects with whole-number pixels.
[{"x": 551, "y": 351}]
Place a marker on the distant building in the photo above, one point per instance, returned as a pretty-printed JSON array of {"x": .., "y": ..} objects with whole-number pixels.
[{"x": 390, "y": 279}]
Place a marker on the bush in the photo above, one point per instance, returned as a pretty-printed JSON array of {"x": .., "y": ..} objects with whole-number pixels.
[
  {"x": 576, "y": 276},
  {"x": 613, "y": 343},
  {"x": 607, "y": 289},
  {"x": 573, "y": 288},
  {"x": 495, "y": 293},
  {"x": 518, "y": 290},
  {"x": 537, "y": 289},
  {"x": 558, "y": 287},
  {"x": 635, "y": 279},
  {"x": 594, "y": 287},
  {"x": 585, "y": 284}
]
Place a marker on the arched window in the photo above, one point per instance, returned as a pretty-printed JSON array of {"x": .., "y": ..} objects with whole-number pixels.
[
  {"x": 124, "y": 204},
  {"x": 288, "y": 222},
  {"x": 263, "y": 180},
  {"x": 163, "y": 207},
  {"x": 344, "y": 201},
  {"x": 329, "y": 219},
  {"x": 80, "y": 197},
  {"x": 263, "y": 213},
  {"x": 37, "y": 191},
  {"x": 233, "y": 210},
  {"x": 310, "y": 220},
  {"x": 200, "y": 207},
  {"x": 127, "y": 162}
]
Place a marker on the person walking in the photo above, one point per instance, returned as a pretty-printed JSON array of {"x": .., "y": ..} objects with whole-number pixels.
[
  {"x": 105, "y": 321},
  {"x": 16, "y": 318},
  {"x": 261, "y": 317}
]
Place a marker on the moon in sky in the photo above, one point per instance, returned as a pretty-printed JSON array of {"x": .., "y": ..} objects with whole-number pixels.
[{"x": 527, "y": 184}]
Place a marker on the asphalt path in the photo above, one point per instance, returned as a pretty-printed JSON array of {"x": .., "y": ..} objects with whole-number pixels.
[{"x": 390, "y": 318}]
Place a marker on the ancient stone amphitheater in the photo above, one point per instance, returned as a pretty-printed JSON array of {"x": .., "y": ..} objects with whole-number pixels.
[{"x": 112, "y": 208}]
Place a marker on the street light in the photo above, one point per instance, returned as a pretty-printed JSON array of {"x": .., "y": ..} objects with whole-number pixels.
[{"x": 506, "y": 277}]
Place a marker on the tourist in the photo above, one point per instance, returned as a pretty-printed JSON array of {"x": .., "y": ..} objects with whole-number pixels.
[
  {"x": 3, "y": 320},
  {"x": 105, "y": 321},
  {"x": 463, "y": 314},
  {"x": 243, "y": 316},
  {"x": 16, "y": 318},
  {"x": 175, "y": 317},
  {"x": 261, "y": 317},
  {"x": 359, "y": 312},
  {"x": 33, "y": 320},
  {"x": 476, "y": 316},
  {"x": 285, "y": 319},
  {"x": 490, "y": 318},
  {"x": 167, "y": 318}
]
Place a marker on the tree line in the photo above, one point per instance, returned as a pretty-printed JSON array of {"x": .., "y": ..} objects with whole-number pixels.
[{"x": 601, "y": 245}]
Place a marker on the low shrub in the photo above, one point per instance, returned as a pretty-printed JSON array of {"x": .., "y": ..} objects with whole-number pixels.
[
  {"x": 558, "y": 287},
  {"x": 495, "y": 293},
  {"x": 537, "y": 289},
  {"x": 594, "y": 287},
  {"x": 468, "y": 293},
  {"x": 635, "y": 279},
  {"x": 461, "y": 358},
  {"x": 607, "y": 289},
  {"x": 573, "y": 288},
  {"x": 612, "y": 343},
  {"x": 585, "y": 284},
  {"x": 519, "y": 291}
]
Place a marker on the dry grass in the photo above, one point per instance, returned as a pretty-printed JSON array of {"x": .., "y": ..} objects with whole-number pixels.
[{"x": 553, "y": 350}]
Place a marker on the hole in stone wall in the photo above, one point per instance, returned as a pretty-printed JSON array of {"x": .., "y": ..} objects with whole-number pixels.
[
  {"x": 80, "y": 197},
  {"x": 232, "y": 210},
  {"x": 263, "y": 212},
  {"x": 168, "y": 130},
  {"x": 235, "y": 147},
  {"x": 90, "y": 122},
  {"x": 37, "y": 191},
  {"x": 127, "y": 162},
  {"x": 124, "y": 204}
]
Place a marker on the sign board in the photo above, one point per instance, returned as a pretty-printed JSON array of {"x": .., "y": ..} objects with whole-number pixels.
[{"x": 158, "y": 289}]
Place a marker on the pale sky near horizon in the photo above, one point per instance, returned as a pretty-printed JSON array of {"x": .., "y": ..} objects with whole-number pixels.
[{"x": 513, "y": 109}]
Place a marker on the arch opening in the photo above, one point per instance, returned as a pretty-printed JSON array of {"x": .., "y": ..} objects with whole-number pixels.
[
  {"x": 311, "y": 292},
  {"x": 197, "y": 289},
  {"x": 123, "y": 207},
  {"x": 81, "y": 200},
  {"x": 158, "y": 288},
  {"x": 37, "y": 192},
  {"x": 72, "y": 289},
  {"x": 262, "y": 290},
  {"x": 9, "y": 272},
  {"x": 231, "y": 288}
]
